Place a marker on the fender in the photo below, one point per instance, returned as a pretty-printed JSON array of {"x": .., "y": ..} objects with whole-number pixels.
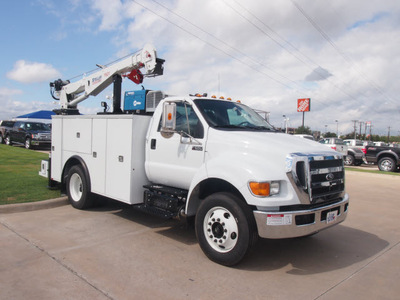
[
  {"x": 234, "y": 171},
  {"x": 72, "y": 161},
  {"x": 386, "y": 153}
]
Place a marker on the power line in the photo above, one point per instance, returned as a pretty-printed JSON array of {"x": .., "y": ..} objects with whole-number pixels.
[
  {"x": 346, "y": 58},
  {"x": 215, "y": 47},
  {"x": 284, "y": 47}
]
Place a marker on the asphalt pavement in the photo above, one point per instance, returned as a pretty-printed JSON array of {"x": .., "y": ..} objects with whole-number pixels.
[{"x": 115, "y": 252}]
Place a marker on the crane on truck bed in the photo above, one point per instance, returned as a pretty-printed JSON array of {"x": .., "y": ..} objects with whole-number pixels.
[{"x": 72, "y": 93}]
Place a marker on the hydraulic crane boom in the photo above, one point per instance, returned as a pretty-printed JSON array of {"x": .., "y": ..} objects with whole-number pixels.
[{"x": 70, "y": 94}]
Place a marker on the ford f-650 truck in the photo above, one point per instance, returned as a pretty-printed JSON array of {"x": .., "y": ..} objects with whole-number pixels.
[{"x": 213, "y": 161}]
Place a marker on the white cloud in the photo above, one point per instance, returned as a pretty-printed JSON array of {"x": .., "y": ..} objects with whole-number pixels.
[
  {"x": 7, "y": 92},
  {"x": 110, "y": 12},
  {"x": 32, "y": 72},
  {"x": 11, "y": 107},
  {"x": 261, "y": 52}
]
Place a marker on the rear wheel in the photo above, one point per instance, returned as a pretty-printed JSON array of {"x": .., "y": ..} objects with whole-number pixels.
[
  {"x": 78, "y": 189},
  {"x": 8, "y": 140},
  {"x": 225, "y": 228},
  {"x": 387, "y": 164}
]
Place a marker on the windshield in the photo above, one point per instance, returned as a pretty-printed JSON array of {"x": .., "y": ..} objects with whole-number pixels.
[
  {"x": 37, "y": 126},
  {"x": 231, "y": 115}
]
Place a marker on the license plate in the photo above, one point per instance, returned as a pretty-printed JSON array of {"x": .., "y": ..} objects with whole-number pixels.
[{"x": 331, "y": 216}]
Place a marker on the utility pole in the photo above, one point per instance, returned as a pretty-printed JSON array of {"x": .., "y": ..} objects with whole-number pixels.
[
  {"x": 388, "y": 134},
  {"x": 360, "y": 128},
  {"x": 355, "y": 127},
  {"x": 368, "y": 124},
  {"x": 370, "y": 132},
  {"x": 365, "y": 130}
]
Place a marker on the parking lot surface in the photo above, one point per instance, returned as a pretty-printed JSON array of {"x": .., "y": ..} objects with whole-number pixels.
[{"x": 115, "y": 252}]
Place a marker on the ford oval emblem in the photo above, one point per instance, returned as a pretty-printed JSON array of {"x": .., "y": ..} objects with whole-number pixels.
[{"x": 330, "y": 176}]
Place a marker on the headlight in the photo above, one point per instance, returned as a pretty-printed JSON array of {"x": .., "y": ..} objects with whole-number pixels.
[
  {"x": 264, "y": 189},
  {"x": 35, "y": 136}
]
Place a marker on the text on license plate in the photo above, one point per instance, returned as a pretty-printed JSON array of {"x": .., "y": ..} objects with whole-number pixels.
[{"x": 331, "y": 216}]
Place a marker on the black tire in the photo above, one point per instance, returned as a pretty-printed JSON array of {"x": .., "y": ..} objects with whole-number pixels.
[
  {"x": 349, "y": 160},
  {"x": 28, "y": 143},
  {"x": 387, "y": 164},
  {"x": 1, "y": 139},
  {"x": 78, "y": 189},
  {"x": 225, "y": 228}
]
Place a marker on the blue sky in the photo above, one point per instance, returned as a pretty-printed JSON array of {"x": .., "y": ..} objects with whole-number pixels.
[{"x": 341, "y": 54}]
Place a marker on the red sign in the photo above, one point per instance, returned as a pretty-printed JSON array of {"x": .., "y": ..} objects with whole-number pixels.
[{"x": 303, "y": 104}]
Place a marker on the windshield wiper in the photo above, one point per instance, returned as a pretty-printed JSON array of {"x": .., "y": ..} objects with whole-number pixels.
[
  {"x": 260, "y": 128},
  {"x": 228, "y": 126}
]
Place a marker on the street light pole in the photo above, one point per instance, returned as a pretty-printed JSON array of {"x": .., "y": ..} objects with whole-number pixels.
[
  {"x": 337, "y": 128},
  {"x": 286, "y": 121}
]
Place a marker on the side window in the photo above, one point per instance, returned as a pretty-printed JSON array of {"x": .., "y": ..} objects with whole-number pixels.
[{"x": 187, "y": 120}]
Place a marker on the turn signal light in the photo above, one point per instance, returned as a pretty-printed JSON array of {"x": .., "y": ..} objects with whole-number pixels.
[
  {"x": 264, "y": 189},
  {"x": 260, "y": 188}
]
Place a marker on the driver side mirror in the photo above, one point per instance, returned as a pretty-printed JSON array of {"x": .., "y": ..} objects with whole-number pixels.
[{"x": 168, "y": 118}]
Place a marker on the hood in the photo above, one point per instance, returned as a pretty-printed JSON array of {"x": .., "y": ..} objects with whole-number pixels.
[
  {"x": 270, "y": 146},
  {"x": 40, "y": 131}
]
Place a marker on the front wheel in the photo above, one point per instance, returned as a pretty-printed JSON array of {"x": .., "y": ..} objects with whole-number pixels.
[
  {"x": 225, "y": 228},
  {"x": 349, "y": 160},
  {"x": 78, "y": 189},
  {"x": 28, "y": 143},
  {"x": 387, "y": 164}
]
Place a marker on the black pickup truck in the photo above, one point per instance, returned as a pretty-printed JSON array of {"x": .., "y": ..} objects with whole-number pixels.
[
  {"x": 29, "y": 134},
  {"x": 387, "y": 158}
]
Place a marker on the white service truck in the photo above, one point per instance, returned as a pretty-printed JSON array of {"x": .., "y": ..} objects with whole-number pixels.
[{"x": 215, "y": 162}]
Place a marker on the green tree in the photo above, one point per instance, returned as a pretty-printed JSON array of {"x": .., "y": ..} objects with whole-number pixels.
[
  {"x": 330, "y": 134},
  {"x": 303, "y": 130}
]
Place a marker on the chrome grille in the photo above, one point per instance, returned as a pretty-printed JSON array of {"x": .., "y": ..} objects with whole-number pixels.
[
  {"x": 44, "y": 136},
  {"x": 316, "y": 177}
]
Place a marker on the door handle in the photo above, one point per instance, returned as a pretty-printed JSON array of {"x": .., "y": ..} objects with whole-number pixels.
[{"x": 153, "y": 144}]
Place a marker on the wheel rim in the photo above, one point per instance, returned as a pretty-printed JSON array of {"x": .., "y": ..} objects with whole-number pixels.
[
  {"x": 75, "y": 187},
  {"x": 386, "y": 165},
  {"x": 220, "y": 229},
  {"x": 27, "y": 144}
]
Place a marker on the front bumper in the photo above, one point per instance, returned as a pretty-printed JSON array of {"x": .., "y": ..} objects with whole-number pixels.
[
  {"x": 289, "y": 224},
  {"x": 41, "y": 143}
]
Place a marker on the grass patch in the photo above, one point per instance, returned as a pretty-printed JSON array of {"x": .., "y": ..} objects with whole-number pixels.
[
  {"x": 19, "y": 178},
  {"x": 366, "y": 170}
]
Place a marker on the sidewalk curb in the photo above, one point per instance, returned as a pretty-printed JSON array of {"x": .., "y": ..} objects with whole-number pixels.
[{"x": 31, "y": 206}]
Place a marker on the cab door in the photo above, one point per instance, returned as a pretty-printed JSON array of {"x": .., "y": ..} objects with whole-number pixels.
[
  {"x": 173, "y": 159},
  {"x": 19, "y": 132}
]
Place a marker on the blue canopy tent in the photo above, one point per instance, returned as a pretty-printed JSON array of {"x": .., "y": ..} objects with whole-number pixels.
[{"x": 39, "y": 116}]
